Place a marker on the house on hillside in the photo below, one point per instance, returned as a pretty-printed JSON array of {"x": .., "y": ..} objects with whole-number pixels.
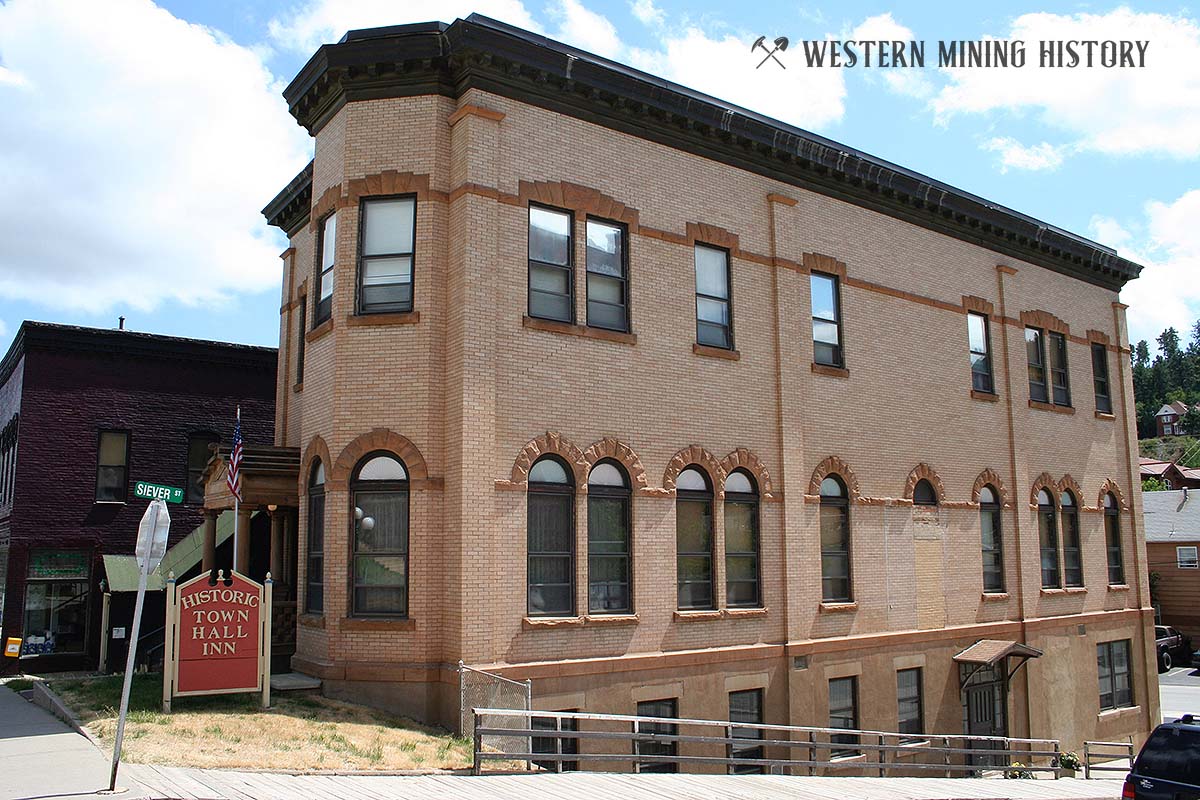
[{"x": 1170, "y": 418}]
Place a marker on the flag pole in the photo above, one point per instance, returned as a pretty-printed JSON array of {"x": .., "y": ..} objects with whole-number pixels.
[{"x": 236, "y": 499}]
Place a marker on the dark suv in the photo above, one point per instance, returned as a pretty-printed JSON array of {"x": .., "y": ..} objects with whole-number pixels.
[{"x": 1168, "y": 768}]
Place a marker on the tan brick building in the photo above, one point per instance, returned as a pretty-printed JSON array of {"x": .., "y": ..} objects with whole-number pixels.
[{"x": 586, "y": 349}]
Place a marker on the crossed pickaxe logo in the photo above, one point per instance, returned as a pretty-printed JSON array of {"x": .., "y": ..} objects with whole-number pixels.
[{"x": 781, "y": 44}]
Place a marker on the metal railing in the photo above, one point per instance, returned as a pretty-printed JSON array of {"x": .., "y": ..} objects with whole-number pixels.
[
  {"x": 828, "y": 749},
  {"x": 1105, "y": 752}
]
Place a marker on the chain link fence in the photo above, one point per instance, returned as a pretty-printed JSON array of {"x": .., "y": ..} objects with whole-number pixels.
[{"x": 479, "y": 689}]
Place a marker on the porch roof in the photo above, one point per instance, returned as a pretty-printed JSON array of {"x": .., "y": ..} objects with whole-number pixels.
[
  {"x": 269, "y": 477},
  {"x": 990, "y": 651}
]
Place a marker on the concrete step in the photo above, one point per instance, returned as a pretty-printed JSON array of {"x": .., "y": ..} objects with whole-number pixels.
[{"x": 295, "y": 682}]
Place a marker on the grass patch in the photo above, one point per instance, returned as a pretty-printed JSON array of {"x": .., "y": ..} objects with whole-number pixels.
[
  {"x": 307, "y": 732},
  {"x": 19, "y": 684}
]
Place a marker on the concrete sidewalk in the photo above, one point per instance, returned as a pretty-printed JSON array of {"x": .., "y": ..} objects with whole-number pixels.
[{"x": 42, "y": 757}]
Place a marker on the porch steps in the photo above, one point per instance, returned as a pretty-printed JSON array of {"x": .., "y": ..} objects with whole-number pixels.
[{"x": 295, "y": 682}]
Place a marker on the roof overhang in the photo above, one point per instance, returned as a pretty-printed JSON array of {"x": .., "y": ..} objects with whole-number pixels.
[
  {"x": 989, "y": 652},
  {"x": 269, "y": 477}
]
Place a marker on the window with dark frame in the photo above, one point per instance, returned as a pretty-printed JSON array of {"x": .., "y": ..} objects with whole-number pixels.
[
  {"x": 843, "y": 714},
  {"x": 1112, "y": 540},
  {"x": 991, "y": 540},
  {"x": 924, "y": 494},
  {"x": 112, "y": 467},
  {"x": 694, "y": 539},
  {"x": 1072, "y": 548},
  {"x": 827, "y": 320},
  {"x": 326, "y": 250},
  {"x": 555, "y": 745},
  {"x": 910, "y": 705},
  {"x": 387, "y": 230},
  {"x": 57, "y": 608},
  {"x": 551, "y": 539},
  {"x": 746, "y": 707},
  {"x": 379, "y": 525},
  {"x": 551, "y": 264},
  {"x": 668, "y": 709},
  {"x": 314, "y": 573},
  {"x": 300, "y": 338},
  {"x": 742, "y": 585},
  {"x": 1048, "y": 541},
  {"x": 1060, "y": 377},
  {"x": 1100, "y": 378},
  {"x": 1035, "y": 350},
  {"x": 607, "y": 279},
  {"x": 1113, "y": 673},
  {"x": 610, "y": 567},
  {"x": 714, "y": 316},
  {"x": 835, "y": 541},
  {"x": 198, "y": 454},
  {"x": 979, "y": 342}
]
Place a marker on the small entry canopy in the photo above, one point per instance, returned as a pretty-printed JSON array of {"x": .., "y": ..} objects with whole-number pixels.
[{"x": 989, "y": 652}]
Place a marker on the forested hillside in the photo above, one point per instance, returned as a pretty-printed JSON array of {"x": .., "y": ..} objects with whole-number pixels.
[{"x": 1173, "y": 374}]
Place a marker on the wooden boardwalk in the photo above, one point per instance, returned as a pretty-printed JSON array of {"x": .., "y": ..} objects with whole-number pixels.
[{"x": 177, "y": 782}]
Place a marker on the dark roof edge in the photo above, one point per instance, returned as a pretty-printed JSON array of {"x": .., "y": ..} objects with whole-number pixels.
[
  {"x": 290, "y": 208},
  {"x": 495, "y": 57}
]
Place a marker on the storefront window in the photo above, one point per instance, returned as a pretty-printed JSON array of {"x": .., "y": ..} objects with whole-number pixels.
[{"x": 56, "y": 602}]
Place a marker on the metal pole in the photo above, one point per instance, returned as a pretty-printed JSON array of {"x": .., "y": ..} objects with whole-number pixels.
[
  {"x": 133, "y": 642},
  {"x": 477, "y": 762},
  {"x": 233, "y": 561},
  {"x": 102, "y": 666}
]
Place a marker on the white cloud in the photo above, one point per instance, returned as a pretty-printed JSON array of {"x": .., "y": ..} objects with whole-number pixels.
[
  {"x": 135, "y": 158},
  {"x": 587, "y": 30},
  {"x": 647, "y": 12},
  {"x": 909, "y": 81},
  {"x": 1155, "y": 109},
  {"x": 1167, "y": 243},
  {"x": 1014, "y": 155}
]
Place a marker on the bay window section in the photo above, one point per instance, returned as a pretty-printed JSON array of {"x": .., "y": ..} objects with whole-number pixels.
[
  {"x": 835, "y": 541},
  {"x": 314, "y": 595},
  {"x": 551, "y": 540},
  {"x": 607, "y": 282},
  {"x": 694, "y": 540},
  {"x": 609, "y": 561},
  {"x": 379, "y": 522},
  {"x": 714, "y": 320},
  {"x": 385, "y": 267},
  {"x": 551, "y": 272},
  {"x": 326, "y": 249}
]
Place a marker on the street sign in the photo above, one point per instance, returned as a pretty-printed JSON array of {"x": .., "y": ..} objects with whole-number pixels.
[{"x": 154, "y": 491}]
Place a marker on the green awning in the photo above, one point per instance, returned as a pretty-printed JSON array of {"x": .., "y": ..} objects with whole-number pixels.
[{"x": 121, "y": 572}]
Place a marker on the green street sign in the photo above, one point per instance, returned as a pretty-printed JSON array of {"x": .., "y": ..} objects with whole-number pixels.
[{"x": 152, "y": 491}]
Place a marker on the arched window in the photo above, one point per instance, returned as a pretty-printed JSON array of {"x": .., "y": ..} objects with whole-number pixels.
[
  {"x": 379, "y": 525},
  {"x": 835, "y": 541},
  {"x": 694, "y": 539},
  {"x": 742, "y": 587},
  {"x": 1048, "y": 541},
  {"x": 1072, "y": 551},
  {"x": 314, "y": 597},
  {"x": 609, "y": 554},
  {"x": 551, "y": 539},
  {"x": 1112, "y": 539},
  {"x": 923, "y": 494},
  {"x": 993, "y": 549}
]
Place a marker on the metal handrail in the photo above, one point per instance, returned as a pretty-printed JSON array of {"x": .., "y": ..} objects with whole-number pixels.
[{"x": 1089, "y": 752}]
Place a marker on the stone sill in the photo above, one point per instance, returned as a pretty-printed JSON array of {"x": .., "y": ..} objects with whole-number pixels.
[
  {"x": 1119, "y": 713},
  {"x": 366, "y": 624},
  {"x": 715, "y": 352},
  {"x": 837, "y": 608},
  {"x": 832, "y": 372},
  {"x": 298, "y": 387},
  {"x": 1065, "y": 590},
  {"x": 319, "y": 331},
  {"x": 311, "y": 620},
  {"x": 569, "y": 329},
  {"x": 1105, "y": 415},
  {"x": 1118, "y": 587},
  {"x": 990, "y": 397},
  {"x": 696, "y": 615},
  {"x": 397, "y": 318},
  {"x": 1038, "y": 404},
  {"x": 994, "y": 597},
  {"x": 586, "y": 621},
  {"x": 1075, "y": 590}
]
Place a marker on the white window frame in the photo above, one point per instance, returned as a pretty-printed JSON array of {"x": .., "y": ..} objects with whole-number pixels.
[{"x": 1183, "y": 562}]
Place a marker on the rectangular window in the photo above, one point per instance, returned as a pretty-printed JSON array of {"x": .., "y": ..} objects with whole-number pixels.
[
  {"x": 693, "y": 547},
  {"x": 910, "y": 705},
  {"x": 556, "y": 745},
  {"x": 326, "y": 248},
  {"x": 747, "y": 708},
  {"x": 551, "y": 554},
  {"x": 608, "y": 553},
  {"x": 741, "y": 553},
  {"x": 649, "y": 747},
  {"x": 835, "y": 553},
  {"x": 1072, "y": 549},
  {"x": 314, "y": 597},
  {"x": 1100, "y": 378},
  {"x": 380, "y": 564},
  {"x": 112, "y": 467},
  {"x": 1048, "y": 545},
  {"x": 1035, "y": 350},
  {"x": 56, "y": 602},
  {"x": 827, "y": 320},
  {"x": 197, "y": 459},
  {"x": 843, "y": 714},
  {"x": 993, "y": 547},
  {"x": 607, "y": 282},
  {"x": 1113, "y": 668},
  {"x": 1112, "y": 539},
  {"x": 385, "y": 266},
  {"x": 1059, "y": 373},
  {"x": 300, "y": 341},
  {"x": 981, "y": 359},
  {"x": 1186, "y": 558},
  {"x": 551, "y": 274},
  {"x": 714, "y": 320}
]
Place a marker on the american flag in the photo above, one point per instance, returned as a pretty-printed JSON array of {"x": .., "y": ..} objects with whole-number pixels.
[{"x": 233, "y": 476}]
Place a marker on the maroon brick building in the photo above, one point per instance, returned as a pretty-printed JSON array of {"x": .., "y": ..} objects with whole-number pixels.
[{"x": 84, "y": 414}]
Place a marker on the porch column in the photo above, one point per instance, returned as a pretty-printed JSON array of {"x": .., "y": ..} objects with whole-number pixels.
[
  {"x": 210, "y": 539},
  {"x": 277, "y": 519},
  {"x": 242, "y": 558}
]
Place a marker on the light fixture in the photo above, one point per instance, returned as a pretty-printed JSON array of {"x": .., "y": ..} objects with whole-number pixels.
[
  {"x": 358, "y": 513},
  {"x": 367, "y": 524}
]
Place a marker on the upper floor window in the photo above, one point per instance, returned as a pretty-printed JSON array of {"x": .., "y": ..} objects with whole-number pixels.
[
  {"x": 607, "y": 282},
  {"x": 981, "y": 359},
  {"x": 300, "y": 340},
  {"x": 1035, "y": 350},
  {"x": 992, "y": 543},
  {"x": 835, "y": 541},
  {"x": 827, "y": 320},
  {"x": 1060, "y": 378},
  {"x": 1048, "y": 541},
  {"x": 198, "y": 454},
  {"x": 551, "y": 274},
  {"x": 326, "y": 248},
  {"x": 714, "y": 319},
  {"x": 610, "y": 570},
  {"x": 1100, "y": 378},
  {"x": 1072, "y": 549},
  {"x": 385, "y": 267},
  {"x": 694, "y": 539},
  {"x": 314, "y": 596},
  {"x": 379, "y": 522},
  {"x": 742, "y": 588},
  {"x": 924, "y": 494},
  {"x": 1112, "y": 540},
  {"x": 112, "y": 467},
  {"x": 551, "y": 539}
]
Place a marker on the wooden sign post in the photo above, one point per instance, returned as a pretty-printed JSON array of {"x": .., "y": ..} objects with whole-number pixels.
[{"x": 218, "y": 637}]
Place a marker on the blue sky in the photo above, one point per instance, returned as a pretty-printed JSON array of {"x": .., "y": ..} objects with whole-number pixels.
[{"x": 140, "y": 141}]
